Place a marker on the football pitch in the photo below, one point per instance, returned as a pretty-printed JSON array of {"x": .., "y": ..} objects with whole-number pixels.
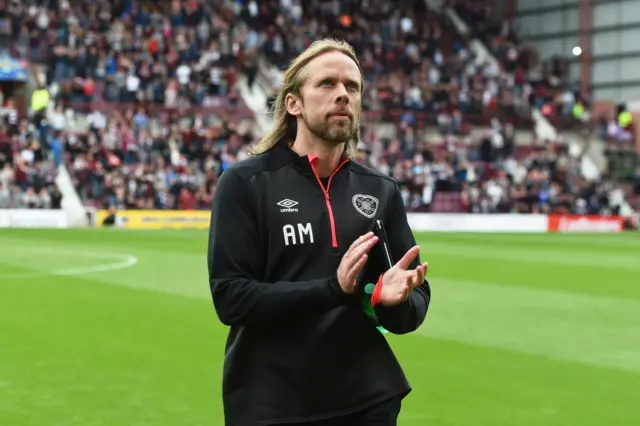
[{"x": 114, "y": 327}]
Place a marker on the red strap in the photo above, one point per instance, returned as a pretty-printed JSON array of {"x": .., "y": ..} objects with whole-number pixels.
[{"x": 375, "y": 297}]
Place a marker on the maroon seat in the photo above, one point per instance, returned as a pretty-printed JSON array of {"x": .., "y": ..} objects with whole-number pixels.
[
  {"x": 446, "y": 202},
  {"x": 634, "y": 201}
]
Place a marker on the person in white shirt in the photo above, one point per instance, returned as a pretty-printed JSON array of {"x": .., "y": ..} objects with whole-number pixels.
[
  {"x": 183, "y": 73},
  {"x": 5, "y": 196},
  {"x": 133, "y": 84},
  {"x": 58, "y": 119}
]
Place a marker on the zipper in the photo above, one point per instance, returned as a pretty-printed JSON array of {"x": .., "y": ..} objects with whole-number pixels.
[{"x": 327, "y": 198}]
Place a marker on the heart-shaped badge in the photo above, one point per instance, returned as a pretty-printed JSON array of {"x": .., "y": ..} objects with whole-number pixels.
[{"x": 366, "y": 205}]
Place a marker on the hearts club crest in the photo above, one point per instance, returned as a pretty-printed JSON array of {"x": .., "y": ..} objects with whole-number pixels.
[{"x": 366, "y": 205}]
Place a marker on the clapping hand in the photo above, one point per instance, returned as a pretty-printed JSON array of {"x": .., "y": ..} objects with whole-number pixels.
[
  {"x": 398, "y": 282},
  {"x": 354, "y": 260}
]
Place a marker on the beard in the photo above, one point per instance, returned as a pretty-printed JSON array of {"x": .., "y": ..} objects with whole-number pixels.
[{"x": 335, "y": 132}]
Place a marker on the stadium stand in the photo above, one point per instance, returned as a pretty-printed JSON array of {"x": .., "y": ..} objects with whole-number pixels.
[{"x": 140, "y": 101}]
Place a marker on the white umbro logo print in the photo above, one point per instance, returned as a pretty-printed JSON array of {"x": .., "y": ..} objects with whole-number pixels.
[
  {"x": 366, "y": 205},
  {"x": 287, "y": 205}
]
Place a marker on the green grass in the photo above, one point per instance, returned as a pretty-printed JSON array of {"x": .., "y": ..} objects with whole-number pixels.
[{"x": 524, "y": 330}]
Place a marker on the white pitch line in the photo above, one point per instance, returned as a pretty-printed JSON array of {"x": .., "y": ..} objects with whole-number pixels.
[{"x": 126, "y": 261}]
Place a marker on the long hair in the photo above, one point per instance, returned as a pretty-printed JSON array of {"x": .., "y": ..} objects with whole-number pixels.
[{"x": 285, "y": 124}]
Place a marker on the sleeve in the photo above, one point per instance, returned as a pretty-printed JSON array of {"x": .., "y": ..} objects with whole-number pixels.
[
  {"x": 236, "y": 261},
  {"x": 409, "y": 315}
]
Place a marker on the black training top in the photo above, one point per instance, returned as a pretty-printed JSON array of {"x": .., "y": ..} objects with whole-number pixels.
[{"x": 299, "y": 349}]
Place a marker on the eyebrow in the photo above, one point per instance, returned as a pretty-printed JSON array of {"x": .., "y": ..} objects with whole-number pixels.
[{"x": 348, "y": 80}]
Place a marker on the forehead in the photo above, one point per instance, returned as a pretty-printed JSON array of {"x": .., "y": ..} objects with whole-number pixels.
[{"x": 331, "y": 64}]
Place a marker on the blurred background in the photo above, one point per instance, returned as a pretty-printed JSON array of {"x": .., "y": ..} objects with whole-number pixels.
[
  {"x": 472, "y": 106},
  {"x": 518, "y": 118}
]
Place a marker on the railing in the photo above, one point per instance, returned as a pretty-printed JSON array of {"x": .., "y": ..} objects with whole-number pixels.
[
  {"x": 224, "y": 109},
  {"x": 430, "y": 118},
  {"x": 234, "y": 111}
]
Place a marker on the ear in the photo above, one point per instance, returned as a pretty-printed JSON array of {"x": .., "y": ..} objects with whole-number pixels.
[{"x": 293, "y": 103}]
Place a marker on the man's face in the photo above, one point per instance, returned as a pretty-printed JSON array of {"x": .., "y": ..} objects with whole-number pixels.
[{"x": 330, "y": 100}]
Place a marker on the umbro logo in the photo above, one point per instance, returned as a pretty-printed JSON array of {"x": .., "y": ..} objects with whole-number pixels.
[{"x": 287, "y": 205}]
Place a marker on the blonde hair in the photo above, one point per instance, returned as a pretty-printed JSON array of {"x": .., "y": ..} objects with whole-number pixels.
[{"x": 285, "y": 124}]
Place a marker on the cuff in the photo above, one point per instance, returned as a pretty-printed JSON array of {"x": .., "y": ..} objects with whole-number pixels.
[
  {"x": 336, "y": 289},
  {"x": 375, "y": 297}
]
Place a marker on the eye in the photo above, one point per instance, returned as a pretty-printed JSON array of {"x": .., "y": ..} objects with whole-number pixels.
[
  {"x": 326, "y": 83},
  {"x": 353, "y": 86}
]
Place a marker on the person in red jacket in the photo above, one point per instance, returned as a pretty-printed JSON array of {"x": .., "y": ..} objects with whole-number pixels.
[{"x": 295, "y": 270}]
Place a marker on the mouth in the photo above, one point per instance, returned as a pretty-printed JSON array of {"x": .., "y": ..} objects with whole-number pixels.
[{"x": 340, "y": 116}]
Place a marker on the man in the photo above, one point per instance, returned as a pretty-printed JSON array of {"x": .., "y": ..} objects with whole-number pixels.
[{"x": 292, "y": 263}]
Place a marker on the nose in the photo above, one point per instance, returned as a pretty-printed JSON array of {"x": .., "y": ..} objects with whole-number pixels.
[{"x": 342, "y": 97}]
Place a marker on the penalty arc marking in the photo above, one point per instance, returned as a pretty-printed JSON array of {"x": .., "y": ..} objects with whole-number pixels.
[{"x": 122, "y": 261}]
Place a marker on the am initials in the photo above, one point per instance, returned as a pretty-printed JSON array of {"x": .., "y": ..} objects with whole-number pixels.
[{"x": 289, "y": 232}]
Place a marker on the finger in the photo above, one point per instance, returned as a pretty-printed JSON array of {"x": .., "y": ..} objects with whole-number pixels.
[
  {"x": 409, "y": 256},
  {"x": 408, "y": 279},
  {"x": 363, "y": 248},
  {"x": 349, "y": 260},
  {"x": 419, "y": 277},
  {"x": 353, "y": 273},
  {"x": 405, "y": 292},
  {"x": 358, "y": 241}
]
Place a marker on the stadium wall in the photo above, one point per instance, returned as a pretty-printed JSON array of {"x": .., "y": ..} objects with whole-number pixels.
[
  {"x": 28, "y": 218},
  {"x": 430, "y": 222}
]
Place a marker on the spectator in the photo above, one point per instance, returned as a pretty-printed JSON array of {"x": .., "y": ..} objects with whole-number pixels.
[{"x": 5, "y": 196}]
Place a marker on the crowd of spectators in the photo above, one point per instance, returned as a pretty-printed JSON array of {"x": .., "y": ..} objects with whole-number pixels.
[
  {"x": 150, "y": 76},
  {"x": 485, "y": 177},
  {"x": 27, "y": 175},
  {"x": 415, "y": 59},
  {"x": 139, "y": 166},
  {"x": 412, "y": 56},
  {"x": 139, "y": 68},
  {"x": 171, "y": 53}
]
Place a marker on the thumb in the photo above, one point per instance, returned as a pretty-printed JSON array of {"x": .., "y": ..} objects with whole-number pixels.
[{"x": 408, "y": 257}]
